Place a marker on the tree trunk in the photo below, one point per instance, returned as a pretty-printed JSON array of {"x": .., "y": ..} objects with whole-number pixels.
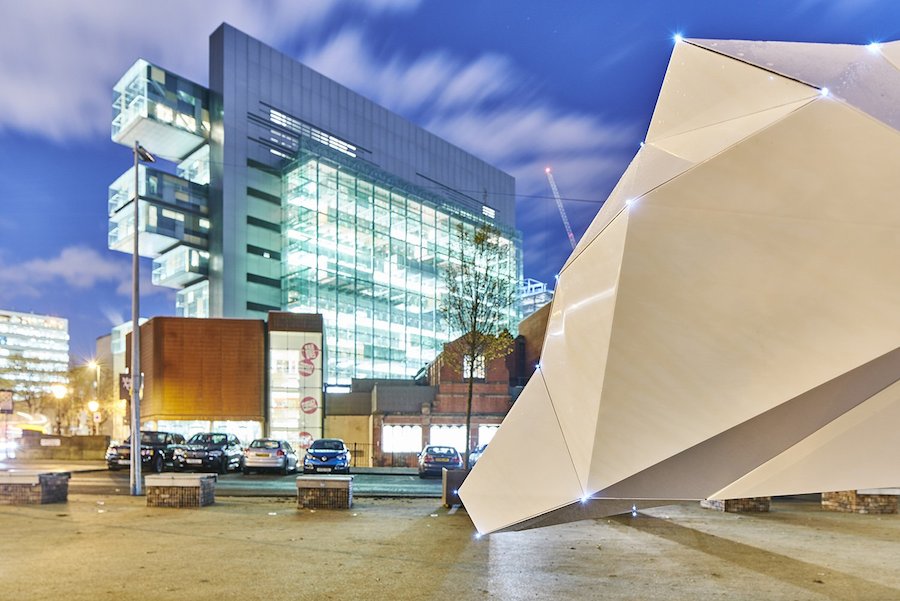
[{"x": 469, "y": 414}]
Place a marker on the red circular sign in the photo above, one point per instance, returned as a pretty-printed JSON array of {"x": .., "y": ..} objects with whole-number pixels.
[
  {"x": 306, "y": 439},
  {"x": 310, "y": 350},
  {"x": 309, "y": 405},
  {"x": 306, "y": 368}
]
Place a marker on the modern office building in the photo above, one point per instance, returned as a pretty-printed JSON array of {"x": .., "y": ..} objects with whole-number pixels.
[
  {"x": 533, "y": 295},
  {"x": 34, "y": 353},
  {"x": 291, "y": 192}
]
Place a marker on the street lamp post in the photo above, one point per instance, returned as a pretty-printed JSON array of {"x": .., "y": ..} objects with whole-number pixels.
[
  {"x": 93, "y": 407},
  {"x": 59, "y": 391},
  {"x": 94, "y": 365},
  {"x": 140, "y": 154}
]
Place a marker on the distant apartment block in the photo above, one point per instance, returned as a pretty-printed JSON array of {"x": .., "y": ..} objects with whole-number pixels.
[{"x": 34, "y": 353}]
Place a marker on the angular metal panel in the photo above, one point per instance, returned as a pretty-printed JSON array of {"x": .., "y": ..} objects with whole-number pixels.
[
  {"x": 753, "y": 332},
  {"x": 547, "y": 483},
  {"x": 858, "y": 74},
  {"x": 701, "y": 144},
  {"x": 722, "y": 282},
  {"x": 651, "y": 167},
  {"x": 702, "y": 88},
  {"x": 575, "y": 345},
  {"x": 856, "y": 451}
]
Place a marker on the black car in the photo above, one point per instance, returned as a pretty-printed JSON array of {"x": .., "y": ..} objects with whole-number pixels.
[
  {"x": 157, "y": 451},
  {"x": 210, "y": 451}
]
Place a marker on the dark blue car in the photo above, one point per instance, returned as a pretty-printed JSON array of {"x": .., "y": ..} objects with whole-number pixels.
[{"x": 327, "y": 455}]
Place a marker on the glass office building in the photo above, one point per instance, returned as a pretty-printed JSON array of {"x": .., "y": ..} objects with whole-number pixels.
[
  {"x": 34, "y": 353},
  {"x": 291, "y": 192}
]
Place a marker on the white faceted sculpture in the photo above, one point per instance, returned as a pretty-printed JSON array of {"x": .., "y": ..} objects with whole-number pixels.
[{"x": 729, "y": 325}]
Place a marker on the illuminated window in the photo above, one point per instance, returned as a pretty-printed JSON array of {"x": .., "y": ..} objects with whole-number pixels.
[
  {"x": 451, "y": 436},
  {"x": 401, "y": 439},
  {"x": 479, "y": 368}
]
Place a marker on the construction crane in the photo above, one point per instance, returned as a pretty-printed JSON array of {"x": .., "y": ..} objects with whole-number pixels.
[{"x": 559, "y": 204}]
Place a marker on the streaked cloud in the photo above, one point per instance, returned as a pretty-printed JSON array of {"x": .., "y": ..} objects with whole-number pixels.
[
  {"x": 75, "y": 268},
  {"x": 435, "y": 81},
  {"x": 489, "y": 107},
  {"x": 62, "y": 91}
]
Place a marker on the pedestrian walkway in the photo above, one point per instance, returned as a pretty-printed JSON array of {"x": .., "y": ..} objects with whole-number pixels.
[{"x": 115, "y": 548}]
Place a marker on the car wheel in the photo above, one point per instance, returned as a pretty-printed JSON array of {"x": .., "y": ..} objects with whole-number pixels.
[
  {"x": 284, "y": 471},
  {"x": 158, "y": 464},
  {"x": 223, "y": 466},
  {"x": 245, "y": 470}
]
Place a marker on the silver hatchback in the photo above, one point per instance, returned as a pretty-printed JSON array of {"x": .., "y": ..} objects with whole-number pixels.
[{"x": 271, "y": 455}]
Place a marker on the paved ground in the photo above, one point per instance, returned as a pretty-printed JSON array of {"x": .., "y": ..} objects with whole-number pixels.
[{"x": 115, "y": 548}]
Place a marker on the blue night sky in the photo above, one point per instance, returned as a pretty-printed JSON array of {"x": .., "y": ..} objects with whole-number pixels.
[{"x": 520, "y": 83}]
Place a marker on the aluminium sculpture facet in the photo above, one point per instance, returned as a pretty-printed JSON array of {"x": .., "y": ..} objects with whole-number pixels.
[{"x": 729, "y": 325}]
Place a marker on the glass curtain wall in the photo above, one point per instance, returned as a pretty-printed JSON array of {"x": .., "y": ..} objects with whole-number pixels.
[{"x": 370, "y": 257}]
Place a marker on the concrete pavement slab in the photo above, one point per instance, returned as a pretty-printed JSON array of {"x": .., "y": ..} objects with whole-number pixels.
[{"x": 98, "y": 548}]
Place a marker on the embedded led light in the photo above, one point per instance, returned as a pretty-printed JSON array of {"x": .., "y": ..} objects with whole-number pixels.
[
  {"x": 874, "y": 47},
  {"x": 634, "y": 511},
  {"x": 678, "y": 38},
  {"x": 642, "y": 144},
  {"x": 631, "y": 201},
  {"x": 585, "y": 499},
  {"x": 824, "y": 92},
  {"x": 478, "y": 535}
]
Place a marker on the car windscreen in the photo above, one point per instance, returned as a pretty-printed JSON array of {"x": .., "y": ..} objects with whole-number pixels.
[
  {"x": 327, "y": 445},
  {"x": 449, "y": 451},
  {"x": 208, "y": 439},
  {"x": 265, "y": 444},
  {"x": 153, "y": 437}
]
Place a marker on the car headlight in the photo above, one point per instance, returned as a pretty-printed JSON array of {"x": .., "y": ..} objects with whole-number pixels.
[
  {"x": 146, "y": 452},
  {"x": 177, "y": 452}
]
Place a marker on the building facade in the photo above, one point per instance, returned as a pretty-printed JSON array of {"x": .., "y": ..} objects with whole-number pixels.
[
  {"x": 292, "y": 192},
  {"x": 34, "y": 353}
]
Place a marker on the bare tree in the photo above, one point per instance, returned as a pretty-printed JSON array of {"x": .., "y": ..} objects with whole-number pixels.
[
  {"x": 32, "y": 398},
  {"x": 477, "y": 304}
]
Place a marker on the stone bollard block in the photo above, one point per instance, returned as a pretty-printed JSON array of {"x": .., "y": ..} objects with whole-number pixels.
[
  {"x": 33, "y": 488},
  {"x": 324, "y": 492},
  {"x": 180, "y": 490},
  {"x": 748, "y": 505},
  {"x": 875, "y": 501}
]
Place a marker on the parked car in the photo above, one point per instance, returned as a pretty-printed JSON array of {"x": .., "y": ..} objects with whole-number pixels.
[
  {"x": 207, "y": 451},
  {"x": 434, "y": 458},
  {"x": 475, "y": 455},
  {"x": 327, "y": 455},
  {"x": 157, "y": 451},
  {"x": 270, "y": 454}
]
